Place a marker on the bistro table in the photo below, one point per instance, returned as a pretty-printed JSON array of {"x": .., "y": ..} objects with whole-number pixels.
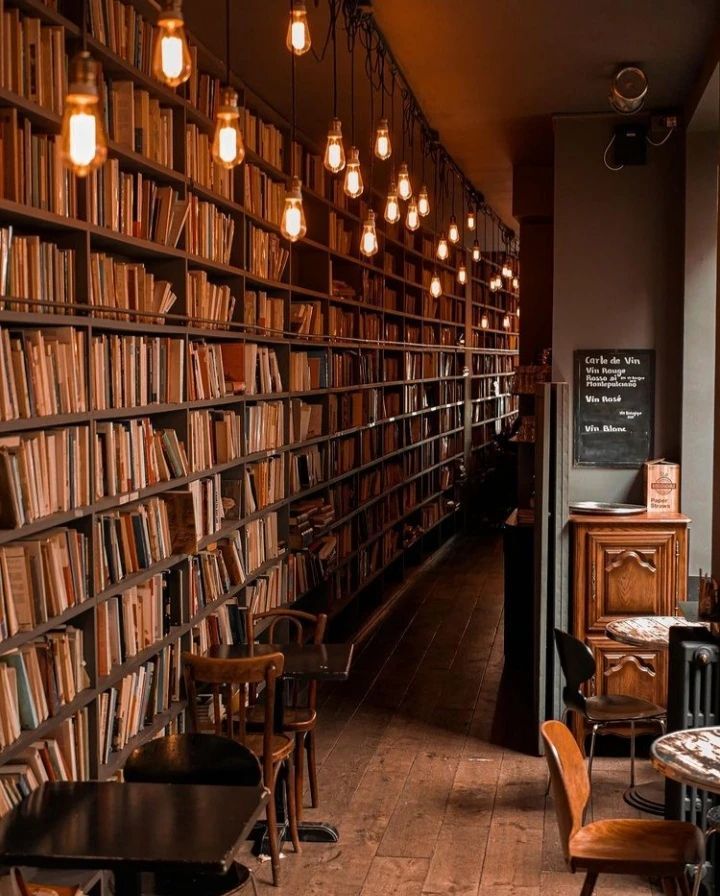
[
  {"x": 303, "y": 662},
  {"x": 130, "y": 828},
  {"x": 690, "y": 756},
  {"x": 648, "y": 633}
]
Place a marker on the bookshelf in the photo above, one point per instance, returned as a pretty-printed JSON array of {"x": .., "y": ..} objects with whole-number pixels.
[{"x": 238, "y": 421}]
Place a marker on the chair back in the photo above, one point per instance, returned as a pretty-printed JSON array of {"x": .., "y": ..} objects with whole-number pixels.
[
  {"x": 193, "y": 758},
  {"x": 569, "y": 779},
  {"x": 229, "y": 681},
  {"x": 299, "y": 625},
  {"x": 578, "y": 666}
]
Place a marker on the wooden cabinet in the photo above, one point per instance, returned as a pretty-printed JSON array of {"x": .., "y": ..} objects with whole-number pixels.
[{"x": 627, "y": 566}]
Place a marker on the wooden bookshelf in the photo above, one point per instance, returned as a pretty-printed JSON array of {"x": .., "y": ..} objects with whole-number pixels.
[{"x": 409, "y": 395}]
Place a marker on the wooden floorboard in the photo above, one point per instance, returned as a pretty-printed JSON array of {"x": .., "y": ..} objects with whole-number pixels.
[{"x": 412, "y": 769}]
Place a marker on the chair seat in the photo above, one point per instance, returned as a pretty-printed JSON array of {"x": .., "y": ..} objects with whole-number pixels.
[
  {"x": 629, "y": 845},
  {"x": 294, "y": 718},
  {"x": 621, "y": 708},
  {"x": 282, "y": 746}
]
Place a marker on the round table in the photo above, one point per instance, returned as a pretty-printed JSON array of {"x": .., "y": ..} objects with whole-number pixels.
[
  {"x": 648, "y": 633},
  {"x": 690, "y": 756}
]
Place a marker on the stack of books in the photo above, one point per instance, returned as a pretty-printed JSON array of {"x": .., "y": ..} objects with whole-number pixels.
[
  {"x": 129, "y": 623},
  {"x": 210, "y": 232},
  {"x": 135, "y": 371},
  {"x": 129, "y": 287},
  {"x": 31, "y": 268}
]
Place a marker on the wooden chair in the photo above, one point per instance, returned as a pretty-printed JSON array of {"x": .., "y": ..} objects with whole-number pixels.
[
  {"x": 651, "y": 848},
  {"x": 22, "y": 887},
  {"x": 225, "y": 678},
  {"x": 300, "y": 715}
]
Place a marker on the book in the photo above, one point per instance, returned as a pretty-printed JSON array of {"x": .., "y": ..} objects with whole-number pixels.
[{"x": 35, "y": 269}]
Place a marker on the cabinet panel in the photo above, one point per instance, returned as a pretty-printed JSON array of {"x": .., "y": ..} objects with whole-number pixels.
[
  {"x": 626, "y": 670},
  {"x": 630, "y": 574}
]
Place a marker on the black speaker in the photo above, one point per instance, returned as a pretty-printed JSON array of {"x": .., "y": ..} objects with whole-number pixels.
[{"x": 630, "y": 146}]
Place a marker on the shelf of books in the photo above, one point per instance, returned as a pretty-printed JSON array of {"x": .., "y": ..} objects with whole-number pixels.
[{"x": 194, "y": 417}]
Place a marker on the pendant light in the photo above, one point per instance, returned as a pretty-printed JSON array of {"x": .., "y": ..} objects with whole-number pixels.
[
  {"x": 453, "y": 229},
  {"x": 412, "y": 218},
  {"x": 298, "y": 34},
  {"x": 334, "y": 160},
  {"x": 383, "y": 143},
  {"x": 171, "y": 62},
  {"x": 506, "y": 322},
  {"x": 392, "y": 206},
  {"x": 476, "y": 251},
  {"x": 462, "y": 274},
  {"x": 516, "y": 283},
  {"x": 507, "y": 270},
  {"x": 484, "y": 322},
  {"x": 435, "y": 283},
  {"x": 228, "y": 147},
  {"x": 83, "y": 142},
  {"x": 353, "y": 183},
  {"x": 471, "y": 220},
  {"x": 404, "y": 184},
  {"x": 443, "y": 250},
  {"x": 423, "y": 198},
  {"x": 293, "y": 226},
  {"x": 368, "y": 238}
]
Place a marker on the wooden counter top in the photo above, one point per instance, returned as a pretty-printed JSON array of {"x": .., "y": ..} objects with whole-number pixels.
[{"x": 630, "y": 519}]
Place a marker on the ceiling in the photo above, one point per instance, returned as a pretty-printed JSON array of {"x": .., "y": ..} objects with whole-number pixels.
[{"x": 489, "y": 75}]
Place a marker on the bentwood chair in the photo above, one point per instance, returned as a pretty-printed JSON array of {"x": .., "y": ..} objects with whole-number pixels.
[
  {"x": 300, "y": 713},
  {"x": 652, "y": 848},
  {"x": 197, "y": 759},
  {"x": 578, "y": 665},
  {"x": 230, "y": 681}
]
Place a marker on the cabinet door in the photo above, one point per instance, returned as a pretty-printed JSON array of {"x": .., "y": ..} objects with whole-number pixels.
[
  {"x": 630, "y": 574},
  {"x": 627, "y": 670}
]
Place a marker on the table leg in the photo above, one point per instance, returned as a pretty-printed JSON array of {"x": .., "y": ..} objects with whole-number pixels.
[
  {"x": 127, "y": 883},
  {"x": 648, "y": 798}
]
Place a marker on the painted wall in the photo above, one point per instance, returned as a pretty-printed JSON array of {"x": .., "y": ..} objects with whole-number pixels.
[{"x": 618, "y": 279}]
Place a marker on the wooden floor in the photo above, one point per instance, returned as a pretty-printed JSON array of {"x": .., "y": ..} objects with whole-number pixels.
[{"x": 425, "y": 802}]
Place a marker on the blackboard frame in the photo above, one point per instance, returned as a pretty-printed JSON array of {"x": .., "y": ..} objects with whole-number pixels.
[{"x": 578, "y": 360}]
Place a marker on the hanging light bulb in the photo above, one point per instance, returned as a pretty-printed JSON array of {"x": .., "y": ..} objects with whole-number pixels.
[
  {"x": 171, "y": 62},
  {"x": 298, "y": 33},
  {"x": 470, "y": 222},
  {"x": 404, "y": 185},
  {"x": 423, "y": 202},
  {"x": 83, "y": 142},
  {"x": 383, "y": 146},
  {"x": 516, "y": 283},
  {"x": 462, "y": 274},
  {"x": 506, "y": 322},
  {"x": 228, "y": 148},
  {"x": 476, "y": 251},
  {"x": 484, "y": 322},
  {"x": 334, "y": 150},
  {"x": 518, "y": 312},
  {"x": 453, "y": 231},
  {"x": 392, "y": 206},
  {"x": 353, "y": 185},
  {"x": 435, "y": 286},
  {"x": 442, "y": 248},
  {"x": 412, "y": 219},
  {"x": 293, "y": 226},
  {"x": 507, "y": 271},
  {"x": 368, "y": 239}
]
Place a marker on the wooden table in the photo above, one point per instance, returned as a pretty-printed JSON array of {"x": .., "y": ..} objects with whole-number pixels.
[
  {"x": 690, "y": 756},
  {"x": 303, "y": 662},
  {"x": 130, "y": 828}
]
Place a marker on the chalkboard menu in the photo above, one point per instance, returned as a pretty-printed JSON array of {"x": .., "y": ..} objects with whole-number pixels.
[{"x": 614, "y": 405}]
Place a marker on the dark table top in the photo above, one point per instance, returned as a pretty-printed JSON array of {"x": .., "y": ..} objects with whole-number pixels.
[
  {"x": 132, "y": 827},
  {"x": 309, "y": 662}
]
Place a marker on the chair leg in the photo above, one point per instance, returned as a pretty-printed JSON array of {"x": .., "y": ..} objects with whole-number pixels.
[
  {"x": 292, "y": 804},
  {"x": 272, "y": 831},
  {"x": 632, "y": 754},
  {"x": 299, "y": 763},
  {"x": 588, "y": 887},
  {"x": 591, "y": 758},
  {"x": 312, "y": 768}
]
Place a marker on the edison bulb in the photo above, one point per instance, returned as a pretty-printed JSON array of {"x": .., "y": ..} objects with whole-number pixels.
[
  {"x": 506, "y": 322},
  {"x": 476, "y": 251},
  {"x": 462, "y": 275},
  {"x": 171, "y": 61},
  {"x": 298, "y": 34},
  {"x": 484, "y": 322},
  {"x": 353, "y": 185},
  {"x": 383, "y": 146},
  {"x": 368, "y": 239},
  {"x": 453, "y": 231},
  {"x": 435, "y": 286},
  {"x": 83, "y": 142},
  {"x": 470, "y": 221},
  {"x": 404, "y": 186},
  {"x": 412, "y": 219},
  {"x": 518, "y": 312},
  {"x": 423, "y": 202},
  {"x": 507, "y": 271},
  {"x": 293, "y": 226},
  {"x": 334, "y": 150},
  {"x": 392, "y": 206},
  {"x": 516, "y": 283},
  {"x": 228, "y": 148},
  {"x": 442, "y": 248}
]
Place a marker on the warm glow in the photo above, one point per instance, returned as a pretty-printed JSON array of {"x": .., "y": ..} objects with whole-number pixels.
[
  {"x": 298, "y": 33},
  {"x": 412, "y": 219},
  {"x": 171, "y": 61},
  {"x": 404, "y": 185},
  {"x": 518, "y": 312},
  {"x": 484, "y": 322},
  {"x": 383, "y": 147},
  {"x": 334, "y": 150},
  {"x": 470, "y": 220},
  {"x": 435, "y": 286},
  {"x": 462, "y": 275},
  {"x": 423, "y": 203},
  {"x": 83, "y": 139},
  {"x": 392, "y": 206},
  {"x": 507, "y": 271},
  {"x": 83, "y": 143},
  {"x": 453, "y": 231},
  {"x": 293, "y": 226},
  {"x": 442, "y": 248},
  {"x": 353, "y": 185},
  {"x": 506, "y": 322},
  {"x": 368, "y": 240},
  {"x": 476, "y": 251},
  {"x": 228, "y": 148},
  {"x": 516, "y": 283}
]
